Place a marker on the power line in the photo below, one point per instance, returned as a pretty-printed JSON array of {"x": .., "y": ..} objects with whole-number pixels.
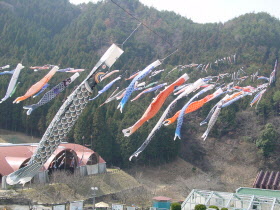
[{"x": 131, "y": 15}]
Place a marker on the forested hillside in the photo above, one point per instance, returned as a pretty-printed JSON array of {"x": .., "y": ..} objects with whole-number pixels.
[{"x": 38, "y": 32}]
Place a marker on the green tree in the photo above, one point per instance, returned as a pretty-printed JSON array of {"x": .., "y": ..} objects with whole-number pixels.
[
  {"x": 200, "y": 207},
  {"x": 214, "y": 207},
  {"x": 267, "y": 140},
  {"x": 175, "y": 206}
]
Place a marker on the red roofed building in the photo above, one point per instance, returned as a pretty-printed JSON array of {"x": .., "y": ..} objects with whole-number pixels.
[
  {"x": 67, "y": 156},
  {"x": 162, "y": 198}
]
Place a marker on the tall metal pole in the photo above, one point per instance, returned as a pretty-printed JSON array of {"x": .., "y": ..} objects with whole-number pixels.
[
  {"x": 91, "y": 141},
  {"x": 93, "y": 195},
  {"x": 93, "y": 200}
]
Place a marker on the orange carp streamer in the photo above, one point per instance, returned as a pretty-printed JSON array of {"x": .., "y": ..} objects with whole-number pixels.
[
  {"x": 37, "y": 87},
  {"x": 193, "y": 106},
  {"x": 234, "y": 96},
  {"x": 132, "y": 76},
  {"x": 155, "y": 106}
]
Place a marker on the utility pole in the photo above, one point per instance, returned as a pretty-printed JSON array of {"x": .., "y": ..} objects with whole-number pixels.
[
  {"x": 91, "y": 141},
  {"x": 94, "y": 189}
]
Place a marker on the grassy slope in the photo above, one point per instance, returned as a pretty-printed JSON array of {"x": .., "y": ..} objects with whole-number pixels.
[
  {"x": 16, "y": 137},
  {"x": 65, "y": 187},
  {"x": 2, "y": 140}
]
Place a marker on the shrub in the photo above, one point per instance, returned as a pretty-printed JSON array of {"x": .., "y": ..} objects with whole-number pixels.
[
  {"x": 214, "y": 207},
  {"x": 267, "y": 140},
  {"x": 224, "y": 208},
  {"x": 175, "y": 206},
  {"x": 200, "y": 207}
]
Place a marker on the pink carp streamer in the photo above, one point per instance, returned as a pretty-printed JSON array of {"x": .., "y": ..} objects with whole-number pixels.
[
  {"x": 75, "y": 70},
  {"x": 109, "y": 74},
  {"x": 155, "y": 106}
]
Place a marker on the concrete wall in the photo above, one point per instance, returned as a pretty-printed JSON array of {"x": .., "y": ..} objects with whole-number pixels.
[
  {"x": 82, "y": 170},
  {"x": 4, "y": 183},
  {"x": 98, "y": 168},
  {"x": 42, "y": 177},
  {"x": 92, "y": 169},
  {"x": 102, "y": 168}
]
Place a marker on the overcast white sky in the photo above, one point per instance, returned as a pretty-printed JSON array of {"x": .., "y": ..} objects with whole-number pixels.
[{"x": 206, "y": 11}]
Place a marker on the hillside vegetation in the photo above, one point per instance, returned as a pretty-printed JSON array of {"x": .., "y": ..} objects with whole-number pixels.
[{"x": 57, "y": 32}]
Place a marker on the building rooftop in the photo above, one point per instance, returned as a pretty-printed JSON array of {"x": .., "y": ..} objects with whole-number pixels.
[
  {"x": 259, "y": 192},
  {"x": 244, "y": 198},
  {"x": 15, "y": 156},
  {"x": 162, "y": 198},
  {"x": 267, "y": 180}
]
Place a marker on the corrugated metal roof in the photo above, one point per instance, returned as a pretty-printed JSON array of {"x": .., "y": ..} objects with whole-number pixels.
[
  {"x": 267, "y": 180},
  {"x": 12, "y": 156}
]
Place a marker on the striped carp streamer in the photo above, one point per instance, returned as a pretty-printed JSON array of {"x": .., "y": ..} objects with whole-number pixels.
[
  {"x": 257, "y": 98},
  {"x": 40, "y": 67},
  {"x": 149, "y": 90},
  {"x": 156, "y": 73},
  {"x": 64, "y": 120},
  {"x": 107, "y": 87},
  {"x": 65, "y": 70},
  {"x": 38, "y": 86},
  {"x": 190, "y": 86},
  {"x": 228, "y": 88},
  {"x": 151, "y": 84},
  {"x": 131, "y": 88},
  {"x": 13, "y": 82},
  {"x": 155, "y": 106},
  {"x": 117, "y": 96},
  {"x": 226, "y": 101},
  {"x": 209, "y": 115},
  {"x": 50, "y": 95},
  {"x": 181, "y": 87},
  {"x": 110, "y": 98},
  {"x": 14, "y": 90},
  {"x": 139, "y": 86},
  {"x": 212, "y": 122},
  {"x": 182, "y": 113},
  {"x": 7, "y": 72},
  {"x": 272, "y": 77},
  {"x": 214, "y": 116},
  {"x": 70, "y": 70},
  {"x": 42, "y": 90},
  {"x": 4, "y": 67}
]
